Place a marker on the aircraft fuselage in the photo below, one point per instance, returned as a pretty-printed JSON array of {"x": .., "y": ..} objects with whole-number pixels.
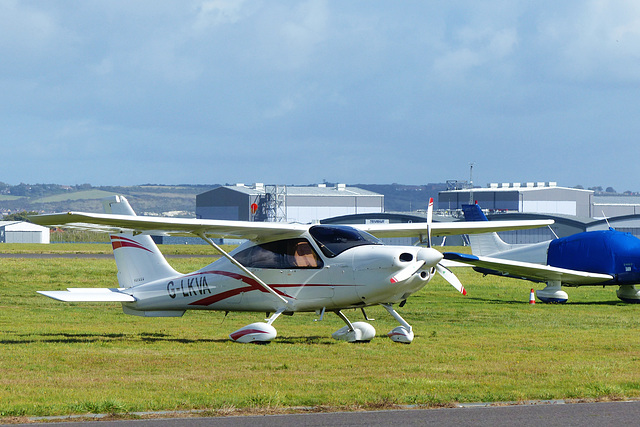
[
  {"x": 358, "y": 277},
  {"x": 605, "y": 251}
]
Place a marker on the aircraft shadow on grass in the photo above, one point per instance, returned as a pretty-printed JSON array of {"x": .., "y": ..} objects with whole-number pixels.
[
  {"x": 505, "y": 302},
  {"x": 83, "y": 338}
]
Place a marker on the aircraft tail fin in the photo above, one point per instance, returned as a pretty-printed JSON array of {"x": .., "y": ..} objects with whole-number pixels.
[
  {"x": 483, "y": 244},
  {"x": 137, "y": 257},
  {"x": 473, "y": 213}
]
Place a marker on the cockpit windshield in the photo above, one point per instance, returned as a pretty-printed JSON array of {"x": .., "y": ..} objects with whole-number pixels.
[{"x": 335, "y": 239}]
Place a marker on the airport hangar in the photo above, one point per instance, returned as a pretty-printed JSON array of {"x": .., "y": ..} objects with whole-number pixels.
[
  {"x": 574, "y": 210},
  {"x": 23, "y": 232},
  {"x": 324, "y": 204},
  {"x": 303, "y": 204}
]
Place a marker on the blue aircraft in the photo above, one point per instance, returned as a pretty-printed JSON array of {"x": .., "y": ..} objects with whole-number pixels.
[{"x": 592, "y": 258}]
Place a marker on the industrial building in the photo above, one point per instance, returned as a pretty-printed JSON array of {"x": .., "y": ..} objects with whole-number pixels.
[
  {"x": 614, "y": 206},
  {"x": 565, "y": 225},
  {"x": 531, "y": 197},
  {"x": 573, "y": 210},
  {"x": 309, "y": 204},
  {"x": 23, "y": 232}
]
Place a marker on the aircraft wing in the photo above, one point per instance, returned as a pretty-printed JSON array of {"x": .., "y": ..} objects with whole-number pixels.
[
  {"x": 528, "y": 270},
  {"x": 419, "y": 229},
  {"x": 162, "y": 226}
]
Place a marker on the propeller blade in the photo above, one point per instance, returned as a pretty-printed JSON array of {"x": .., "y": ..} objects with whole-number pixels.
[
  {"x": 451, "y": 278},
  {"x": 429, "y": 220},
  {"x": 407, "y": 272}
]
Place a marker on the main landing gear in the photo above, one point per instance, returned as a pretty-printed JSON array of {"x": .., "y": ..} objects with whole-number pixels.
[
  {"x": 628, "y": 293},
  {"x": 264, "y": 332},
  {"x": 258, "y": 332},
  {"x": 552, "y": 293},
  {"x": 364, "y": 332},
  {"x": 354, "y": 332}
]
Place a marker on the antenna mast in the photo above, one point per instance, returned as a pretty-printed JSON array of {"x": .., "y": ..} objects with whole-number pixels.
[{"x": 471, "y": 183}]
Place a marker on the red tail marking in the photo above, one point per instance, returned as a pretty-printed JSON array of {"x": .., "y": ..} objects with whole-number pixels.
[{"x": 122, "y": 242}]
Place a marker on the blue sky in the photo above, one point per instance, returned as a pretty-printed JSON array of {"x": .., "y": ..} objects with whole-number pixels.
[{"x": 297, "y": 92}]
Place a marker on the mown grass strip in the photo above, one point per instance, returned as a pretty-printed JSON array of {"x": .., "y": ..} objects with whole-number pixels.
[
  {"x": 492, "y": 345},
  {"x": 100, "y": 248}
]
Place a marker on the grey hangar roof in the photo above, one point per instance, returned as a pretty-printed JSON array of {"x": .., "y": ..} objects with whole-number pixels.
[{"x": 286, "y": 203}]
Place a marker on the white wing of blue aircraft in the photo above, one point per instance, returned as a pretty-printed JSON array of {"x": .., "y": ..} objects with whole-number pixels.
[
  {"x": 281, "y": 269},
  {"x": 602, "y": 258}
]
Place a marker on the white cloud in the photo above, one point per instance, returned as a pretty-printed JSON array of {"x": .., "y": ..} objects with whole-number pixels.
[
  {"x": 473, "y": 48},
  {"x": 212, "y": 13}
]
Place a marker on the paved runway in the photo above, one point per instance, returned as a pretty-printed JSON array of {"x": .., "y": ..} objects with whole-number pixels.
[{"x": 591, "y": 414}]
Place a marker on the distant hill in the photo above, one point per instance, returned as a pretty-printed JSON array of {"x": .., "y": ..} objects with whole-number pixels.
[
  {"x": 405, "y": 198},
  {"x": 179, "y": 200}
]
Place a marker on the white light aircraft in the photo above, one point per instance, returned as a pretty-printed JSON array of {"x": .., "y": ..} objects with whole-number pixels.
[{"x": 281, "y": 269}]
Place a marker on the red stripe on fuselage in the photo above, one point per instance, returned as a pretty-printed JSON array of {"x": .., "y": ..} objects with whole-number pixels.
[{"x": 253, "y": 286}]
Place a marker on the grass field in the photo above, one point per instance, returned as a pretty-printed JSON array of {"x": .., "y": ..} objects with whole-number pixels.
[
  {"x": 58, "y": 358},
  {"x": 76, "y": 195}
]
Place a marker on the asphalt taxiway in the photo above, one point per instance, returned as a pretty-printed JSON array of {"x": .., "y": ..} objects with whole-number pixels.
[{"x": 547, "y": 414}]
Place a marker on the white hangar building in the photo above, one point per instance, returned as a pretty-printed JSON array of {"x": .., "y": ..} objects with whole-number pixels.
[
  {"x": 310, "y": 204},
  {"x": 531, "y": 197},
  {"x": 574, "y": 210},
  {"x": 23, "y": 232},
  {"x": 614, "y": 206}
]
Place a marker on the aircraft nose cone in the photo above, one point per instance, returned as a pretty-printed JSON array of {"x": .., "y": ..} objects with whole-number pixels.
[{"x": 430, "y": 256}]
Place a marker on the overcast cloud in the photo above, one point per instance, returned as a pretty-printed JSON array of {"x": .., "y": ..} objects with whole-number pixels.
[{"x": 297, "y": 92}]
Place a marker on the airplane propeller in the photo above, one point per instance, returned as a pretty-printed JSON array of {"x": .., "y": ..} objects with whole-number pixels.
[
  {"x": 451, "y": 278},
  {"x": 408, "y": 271},
  {"x": 444, "y": 272},
  {"x": 429, "y": 220}
]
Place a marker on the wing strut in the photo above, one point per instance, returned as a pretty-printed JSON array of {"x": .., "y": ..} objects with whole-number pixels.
[{"x": 242, "y": 267}]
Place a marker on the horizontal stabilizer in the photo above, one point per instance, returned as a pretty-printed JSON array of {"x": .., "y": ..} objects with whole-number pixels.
[{"x": 89, "y": 295}]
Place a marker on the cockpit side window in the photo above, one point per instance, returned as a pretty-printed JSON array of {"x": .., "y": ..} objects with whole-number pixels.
[
  {"x": 335, "y": 239},
  {"x": 282, "y": 254}
]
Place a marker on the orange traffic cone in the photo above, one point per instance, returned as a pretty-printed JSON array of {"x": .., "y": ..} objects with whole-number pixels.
[{"x": 532, "y": 297}]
